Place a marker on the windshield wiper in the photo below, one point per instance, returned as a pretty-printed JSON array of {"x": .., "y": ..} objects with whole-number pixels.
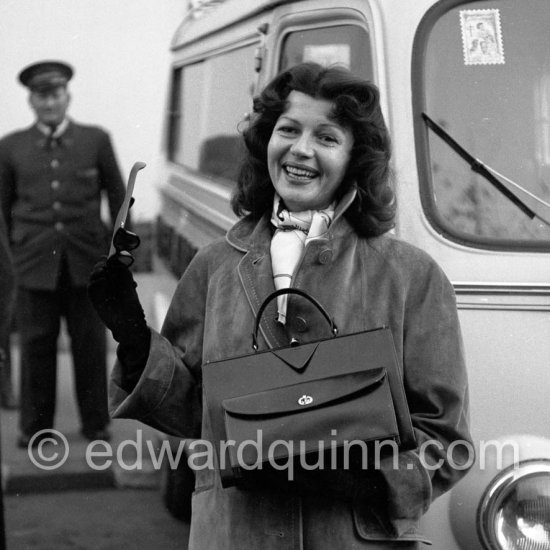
[{"x": 526, "y": 201}]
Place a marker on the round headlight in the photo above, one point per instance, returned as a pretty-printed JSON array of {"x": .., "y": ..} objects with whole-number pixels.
[{"x": 514, "y": 513}]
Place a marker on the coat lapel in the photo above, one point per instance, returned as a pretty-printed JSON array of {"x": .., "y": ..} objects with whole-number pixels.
[
  {"x": 256, "y": 276},
  {"x": 67, "y": 137},
  {"x": 38, "y": 138}
]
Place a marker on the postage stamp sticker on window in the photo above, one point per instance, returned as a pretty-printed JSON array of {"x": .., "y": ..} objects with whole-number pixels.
[{"x": 481, "y": 37}]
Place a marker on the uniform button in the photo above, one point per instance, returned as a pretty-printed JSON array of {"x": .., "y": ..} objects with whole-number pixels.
[
  {"x": 55, "y": 184},
  {"x": 56, "y": 205},
  {"x": 325, "y": 256},
  {"x": 301, "y": 324},
  {"x": 54, "y": 163},
  {"x": 59, "y": 226}
]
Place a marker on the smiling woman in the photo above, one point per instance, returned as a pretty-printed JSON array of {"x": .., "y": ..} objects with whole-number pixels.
[
  {"x": 316, "y": 203},
  {"x": 308, "y": 153},
  {"x": 328, "y": 123}
]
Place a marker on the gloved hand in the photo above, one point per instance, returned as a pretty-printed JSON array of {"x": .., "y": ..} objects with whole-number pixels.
[{"x": 112, "y": 291}]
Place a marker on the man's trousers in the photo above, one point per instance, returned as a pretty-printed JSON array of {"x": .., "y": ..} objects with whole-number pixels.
[{"x": 38, "y": 316}]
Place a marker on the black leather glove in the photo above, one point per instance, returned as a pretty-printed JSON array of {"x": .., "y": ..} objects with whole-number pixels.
[
  {"x": 350, "y": 485},
  {"x": 112, "y": 291}
]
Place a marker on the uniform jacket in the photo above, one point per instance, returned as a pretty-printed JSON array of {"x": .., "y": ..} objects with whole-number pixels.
[
  {"x": 364, "y": 284},
  {"x": 51, "y": 201}
]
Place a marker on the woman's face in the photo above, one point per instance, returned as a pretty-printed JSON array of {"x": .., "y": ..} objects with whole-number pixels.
[{"x": 308, "y": 153}]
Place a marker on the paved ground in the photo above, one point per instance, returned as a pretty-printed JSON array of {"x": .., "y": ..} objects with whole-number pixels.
[
  {"x": 111, "y": 519},
  {"x": 81, "y": 504}
]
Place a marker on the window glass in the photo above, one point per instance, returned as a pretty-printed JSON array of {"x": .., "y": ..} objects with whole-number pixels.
[
  {"x": 345, "y": 44},
  {"x": 208, "y": 112},
  {"x": 192, "y": 114},
  {"x": 486, "y": 84}
]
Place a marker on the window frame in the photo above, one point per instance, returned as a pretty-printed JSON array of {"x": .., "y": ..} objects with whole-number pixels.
[
  {"x": 176, "y": 113},
  {"x": 315, "y": 20},
  {"x": 422, "y": 148}
]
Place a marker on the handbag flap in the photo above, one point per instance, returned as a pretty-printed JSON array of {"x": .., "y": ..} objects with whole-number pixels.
[
  {"x": 296, "y": 357},
  {"x": 305, "y": 395}
]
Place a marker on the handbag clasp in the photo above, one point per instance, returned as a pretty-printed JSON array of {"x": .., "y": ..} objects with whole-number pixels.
[{"x": 305, "y": 400}]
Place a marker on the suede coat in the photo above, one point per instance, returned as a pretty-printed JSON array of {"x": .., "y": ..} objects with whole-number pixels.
[{"x": 364, "y": 284}]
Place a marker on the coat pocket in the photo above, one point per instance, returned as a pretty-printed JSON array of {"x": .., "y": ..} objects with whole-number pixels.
[{"x": 372, "y": 527}]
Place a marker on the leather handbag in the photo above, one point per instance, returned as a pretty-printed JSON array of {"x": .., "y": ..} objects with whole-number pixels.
[{"x": 272, "y": 406}]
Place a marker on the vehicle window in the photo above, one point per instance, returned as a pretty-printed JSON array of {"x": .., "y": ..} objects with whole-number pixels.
[
  {"x": 345, "y": 44},
  {"x": 484, "y": 82},
  {"x": 207, "y": 108}
]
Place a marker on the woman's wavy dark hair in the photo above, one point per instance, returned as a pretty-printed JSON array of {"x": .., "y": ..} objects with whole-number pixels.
[{"x": 357, "y": 107}]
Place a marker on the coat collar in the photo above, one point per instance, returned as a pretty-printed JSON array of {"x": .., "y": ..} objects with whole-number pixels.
[
  {"x": 255, "y": 272},
  {"x": 65, "y": 136},
  {"x": 249, "y": 235},
  {"x": 60, "y": 129}
]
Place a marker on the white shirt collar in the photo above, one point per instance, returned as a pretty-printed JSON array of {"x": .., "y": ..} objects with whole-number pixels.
[{"x": 45, "y": 129}]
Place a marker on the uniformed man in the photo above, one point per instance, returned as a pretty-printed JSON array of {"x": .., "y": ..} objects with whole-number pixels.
[{"x": 52, "y": 177}]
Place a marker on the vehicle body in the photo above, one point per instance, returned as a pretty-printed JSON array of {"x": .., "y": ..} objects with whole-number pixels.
[{"x": 488, "y": 87}]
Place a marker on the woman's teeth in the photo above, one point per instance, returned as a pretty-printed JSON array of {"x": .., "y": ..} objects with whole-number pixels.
[{"x": 300, "y": 173}]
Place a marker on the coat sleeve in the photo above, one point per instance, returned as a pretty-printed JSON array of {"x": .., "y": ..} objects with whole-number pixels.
[
  {"x": 437, "y": 393},
  {"x": 110, "y": 176},
  {"x": 168, "y": 394}
]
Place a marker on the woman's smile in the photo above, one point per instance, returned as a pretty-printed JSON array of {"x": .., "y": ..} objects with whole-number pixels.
[
  {"x": 299, "y": 173},
  {"x": 308, "y": 153}
]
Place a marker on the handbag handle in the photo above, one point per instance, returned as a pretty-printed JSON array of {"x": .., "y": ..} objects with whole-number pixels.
[{"x": 280, "y": 292}]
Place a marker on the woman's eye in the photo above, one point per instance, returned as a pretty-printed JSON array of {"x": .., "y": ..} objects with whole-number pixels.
[
  {"x": 286, "y": 129},
  {"x": 328, "y": 139}
]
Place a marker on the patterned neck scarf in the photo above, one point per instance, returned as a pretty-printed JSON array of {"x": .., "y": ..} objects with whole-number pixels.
[{"x": 294, "y": 230}]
